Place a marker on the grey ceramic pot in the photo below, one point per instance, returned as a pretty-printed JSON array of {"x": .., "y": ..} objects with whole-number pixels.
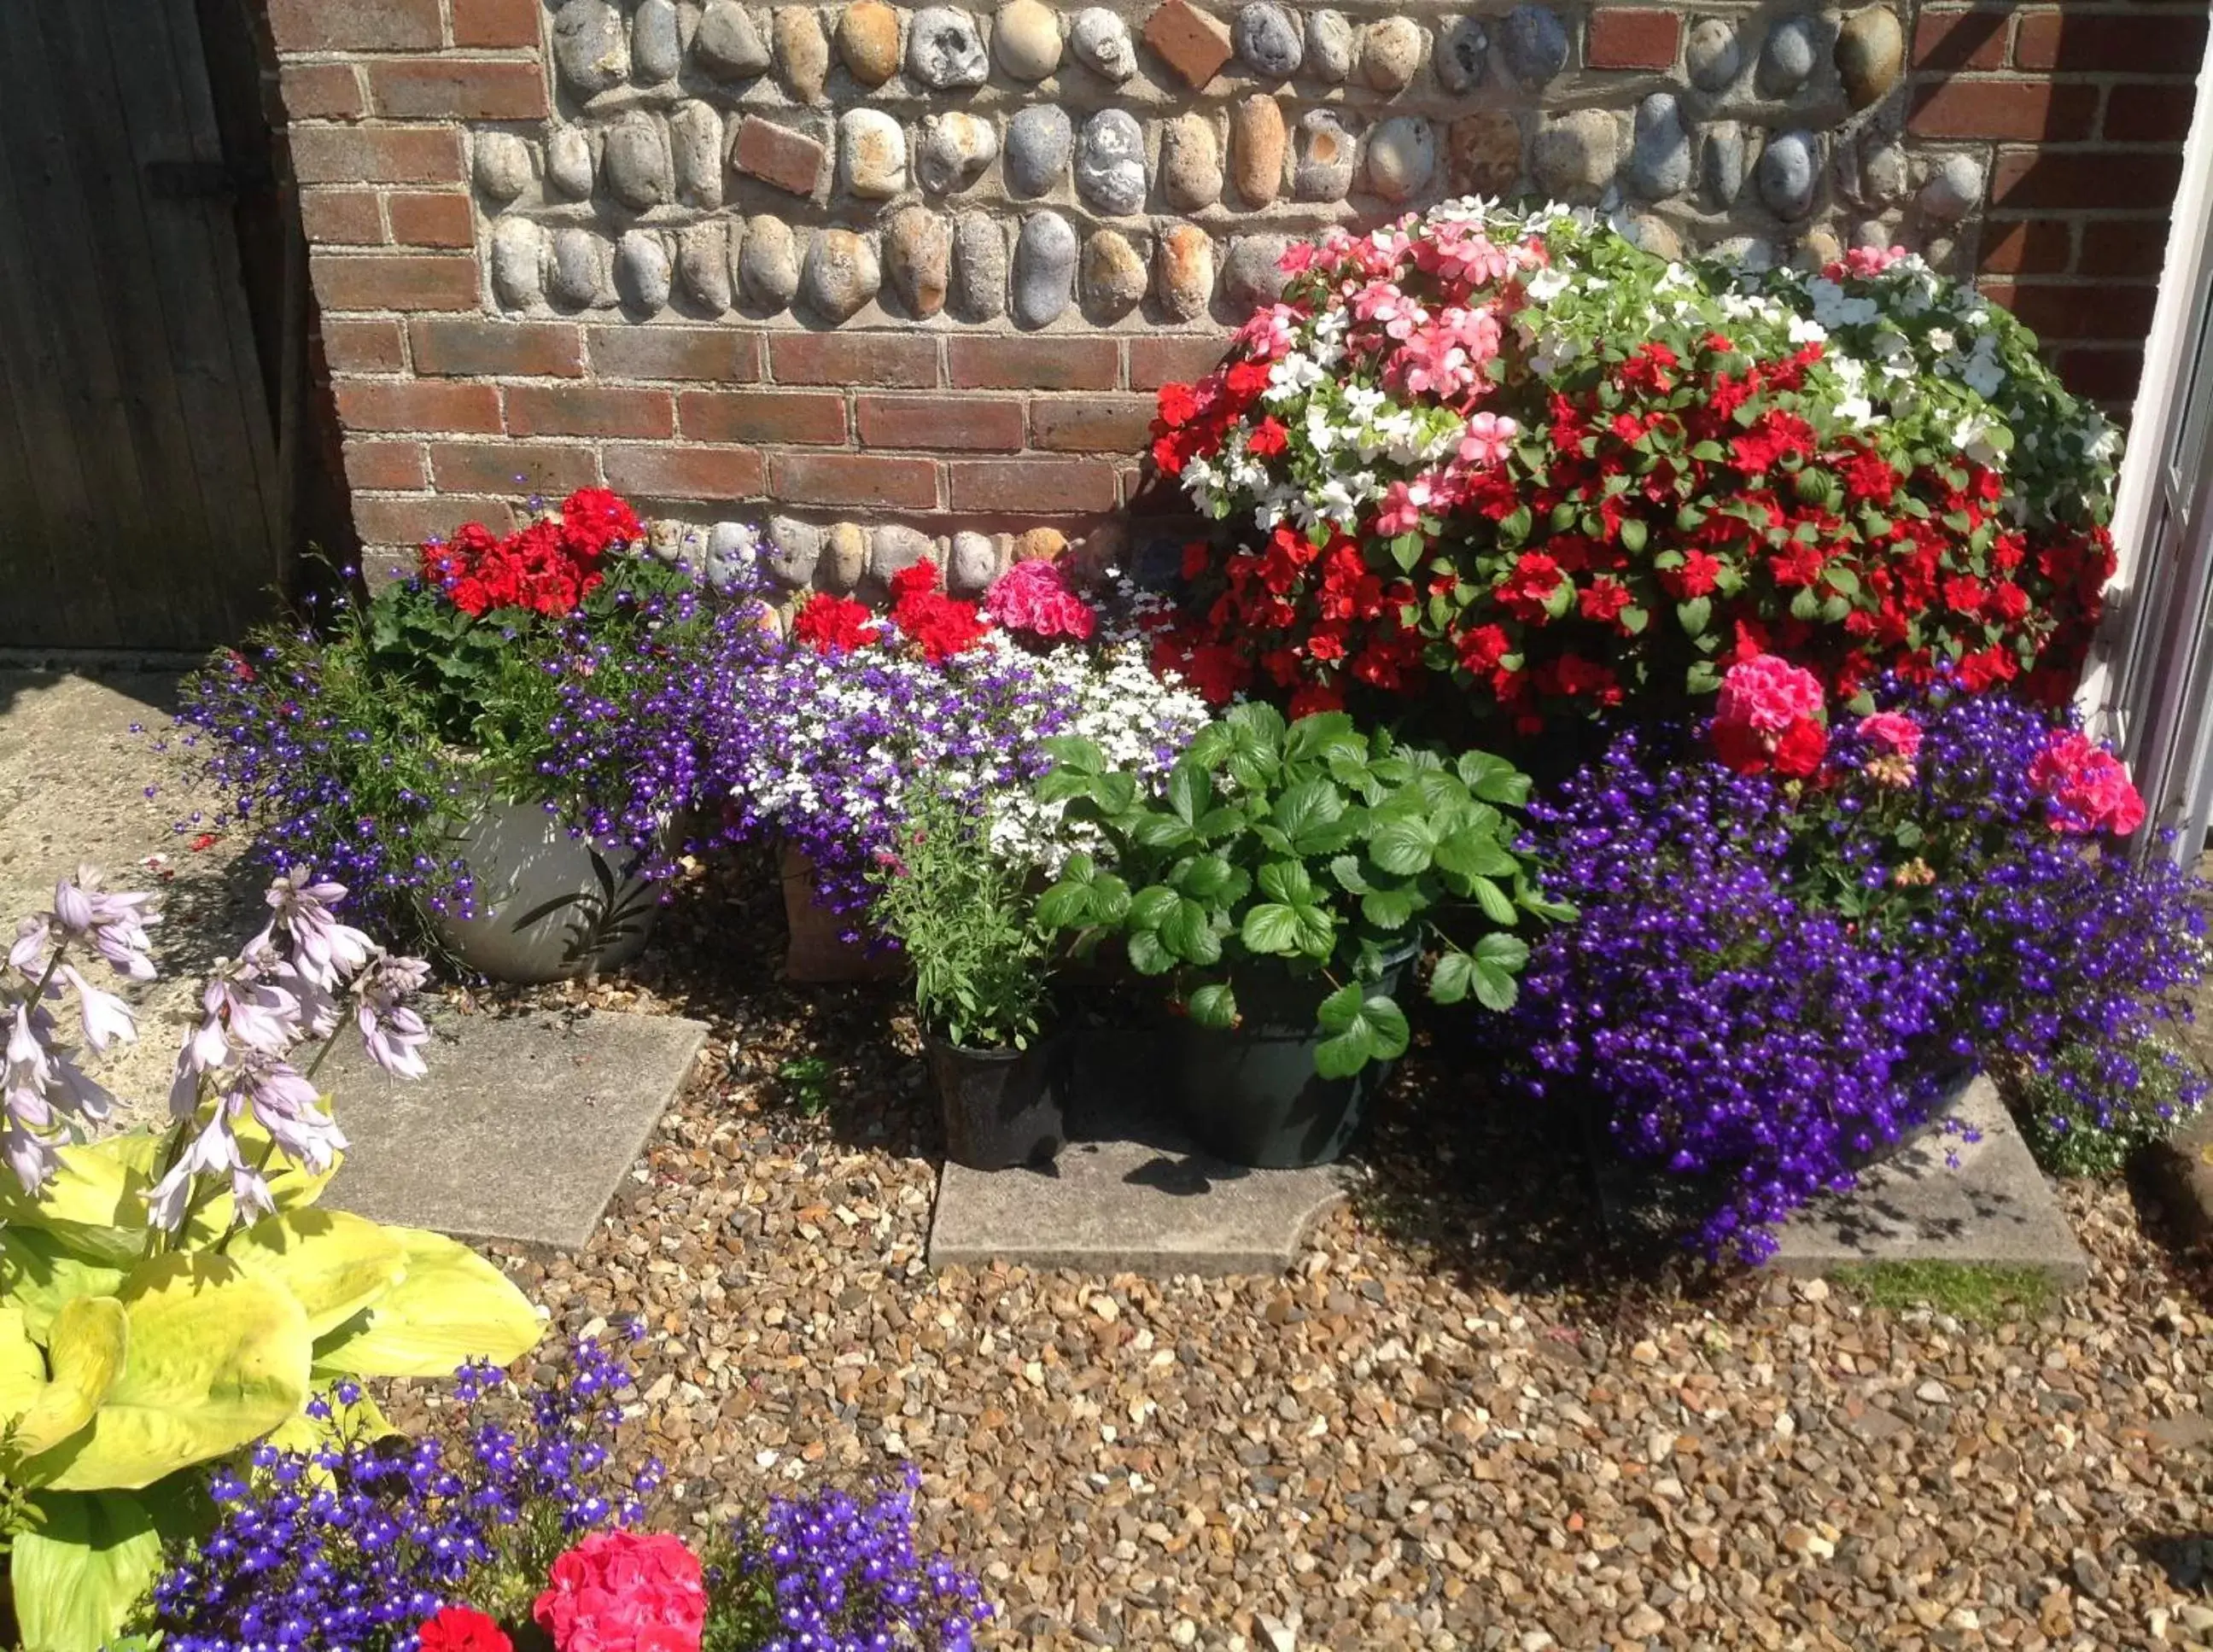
[{"x": 548, "y": 906}]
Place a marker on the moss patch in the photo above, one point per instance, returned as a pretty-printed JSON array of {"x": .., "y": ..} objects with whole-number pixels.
[{"x": 1964, "y": 1293}]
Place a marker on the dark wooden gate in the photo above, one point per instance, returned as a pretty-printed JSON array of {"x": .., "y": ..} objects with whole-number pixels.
[{"x": 140, "y": 505}]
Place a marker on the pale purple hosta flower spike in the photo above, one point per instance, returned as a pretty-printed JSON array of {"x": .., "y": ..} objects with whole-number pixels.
[
  {"x": 105, "y": 1018},
  {"x": 115, "y": 925},
  {"x": 391, "y": 1032},
  {"x": 322, "y": 949},
  {"x": 284, "y": 1103}
]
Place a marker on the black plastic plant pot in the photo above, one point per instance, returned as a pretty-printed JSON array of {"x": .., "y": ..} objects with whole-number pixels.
[
  {"x": 1251, "y": 1096},
  {"x": 1002, "y": 1106}
]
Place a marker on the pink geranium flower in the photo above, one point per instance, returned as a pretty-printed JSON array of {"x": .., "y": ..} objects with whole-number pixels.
[
  {"x": 2088, "y": 786},
  {"x": 1033, "y": 597},
  {"x": 1769, "y": 718},
  {"x": 624, "y": 1592},
  {"x": 1891, "y": 733}
]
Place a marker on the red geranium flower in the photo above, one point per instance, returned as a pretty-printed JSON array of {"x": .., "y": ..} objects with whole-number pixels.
[
  {"x": 462, "y": 1629},
  {"x": 833, "y": 625}
]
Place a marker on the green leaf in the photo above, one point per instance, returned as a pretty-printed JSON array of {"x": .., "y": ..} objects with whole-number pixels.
[
  {"x": 1695, "y": 615},
  {"x": 1493, "y": 778},
  {"x": 1270, "y": 928},
  {"x": 1191, "y": 789},
  {"x": 1389, "y": 909},
  {"x": 1323, "y": 735},
  {"x": 1345, "y": 869},
  {"x": 1449, "y": 981},
  {"x": 1317, "y": 932},
  {"x": 1160, "y": 832},
  {"x": 1188, "y": 932},
  {"x": 1805, "y": 604},
  {"x": 1067, "y": 906},
  {"x": 1150, "y": 906},
  {"x": 335, "y": 1264},
  {"x": 1287, "y": 882},
  {"x": 451, "y": 1306},
  {"x": 1209, "y": 877},
  {"x": 1364, "y": 1028},
  {"x": 1076, "y": 752},
  {"x": 89, "y": 1340},
  {"x": 1632, "y": 535},
  {"x": 1472, "y": 854},
  {"x": 1308, "y": 814},
  {"x": 1213, "y": 1006},
  {"x": 1406, "y": 550},
  {"x": 1492, "y": 900},
  {"x": 77, "y": 1576},
  {"x": 1147, "y": 956},
  {"x": 41, "y": 1272},
  {"x": 1402, "y": 844},
  {"x": 1508, "y": 952},
  {"x": 1494, "y": 987}
]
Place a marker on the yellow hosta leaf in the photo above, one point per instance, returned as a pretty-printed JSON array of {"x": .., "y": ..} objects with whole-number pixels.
[
  {"x": 95, "y": 1197},
  {"x": 334, "y": 1263},
  {"x": 77, "y": 1575},
  {"x": 85, "y": 1351},
  {"x": 42, "y": 1272},
  {"x": 450, "y": 1307},
  {"x": 23, "y": 1367}
]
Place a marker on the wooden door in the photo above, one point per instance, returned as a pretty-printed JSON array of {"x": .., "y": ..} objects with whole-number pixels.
[{"x": 140, "y": 504}]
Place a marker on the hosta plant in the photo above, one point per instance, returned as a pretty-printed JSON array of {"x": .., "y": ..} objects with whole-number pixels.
[
  {"x": 1308, "y": 847},
  {"x": 170, "y": 1297}
]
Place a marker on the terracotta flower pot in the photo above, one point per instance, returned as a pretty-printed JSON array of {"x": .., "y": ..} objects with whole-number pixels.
[{"x": 817, "y": 954}]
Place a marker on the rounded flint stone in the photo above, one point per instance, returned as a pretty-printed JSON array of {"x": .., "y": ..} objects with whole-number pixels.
[
  {"x": 1110, "y": 162},
  {"x": 943, "y": 50},
  {"x": 973, "y": 565},
  {"x": 1390, "y": 52},
  {"x": 803, "y": 50},
  {"x": 1712, "y": 55},
  {"x": 1787, "y": 58},
  {"x": 1190, "y": 163},
  {"x": 1329, "y": 45},
  {"x": 1183, "y": 270},
  {"x": 1045, "y": 269},
  {"x": 1535, "y": 43},
  {"x": 845, "y": 557},
  {"x": 502, "y": 165},
  {"x": 1113, "y": 274},
  {"x": 1402, "y": 157},
  {"x": 642, "y": 272},
  {"x": 518, "y": 262},
  {"x": 1789, "y": 169},
  {"x": 636, "y": 161},
  {"x": 579, "y": 267},
  {"x": 871, "y": 153},
  {"x": 953, "y": 151},
  {"x": 1576, "y": 153},
  {"x": 656, "y": 44},
  {"x": 1100, "y": 40},
  {"x": 590, "y": 48},
  {"x": 1463, "y": 49},
  {"x": 695, "y": 144},
  {"x": 1255, "y": 274},
  {"x": 703, "y": 263},
  {"x": 1268, "y": 38},
  {"x": 1026, "y": 37},
  {"x": 569, "y": 164},
  {"x": 1660, "y": 152},
  {"x": 918, "y": 259},
  {"x": 868, "y": 41},
  {"x": 1870, "y": 51},
  {"x": 1952, "y": 189},
  {"x": 768, "y": 267},
  {"x": 729, "y": 44},
  {"x": 893, "y": 548},
  {"x": 732, "y": 549},
  {"x": 979, "y": 267},
  {"x": 841, "y": 273},
  {"x": 1257, "y": 144},
  {"x": 794, "y": 549},
  {"x": 1722, "y": 163},
  {"x": 1039, "y": 141}
]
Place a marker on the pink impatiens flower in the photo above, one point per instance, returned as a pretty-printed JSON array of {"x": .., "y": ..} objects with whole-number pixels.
[
  {"x": 1403, "y": 504},
  {"x": 1488, "y": 439}
]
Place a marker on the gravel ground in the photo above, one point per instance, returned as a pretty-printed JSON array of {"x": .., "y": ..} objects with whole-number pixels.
[{"x": 1458, "y": 1422}]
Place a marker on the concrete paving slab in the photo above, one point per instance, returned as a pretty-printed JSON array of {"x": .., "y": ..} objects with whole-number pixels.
[
  {"x": 1991, "y": 1208},
  {"x": 524, "y": 1129}
]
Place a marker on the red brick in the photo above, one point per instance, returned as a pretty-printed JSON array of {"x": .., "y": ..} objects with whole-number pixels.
[
  {"x": 720, "y": 354},
  {"x": 1059, "y": 363},
  {"x": 412, "y": 404},
  {"x": 804, "y": 418},
  {"x": 898, "y": 361},
  {"x": 588, "y": 410},
  {"x": 1174, "y": 358},
  {"x": 355, "y": 25},
  {"x": 1041, "y": 486},
  {"x": 2106, "y": 375},
  {"x": 452, "y": 347},
  {"x": 2117, "y": 179},
  {"x": 341, "y": 217},
  {"x": 832, "y": 478},
  {"x": 321, "y": 91},
  {"x": 394, "y": 465},
  {"x": 1961, "y": 40},
  {"x": 2115, "y": 312},
  {"x": 2124, "y": 247},
  {"x": 521, "y": 468},
  {"x": 776, "y": 155},
  {"x": 2149, "y": 43},
  {"x": 1193, "y": 43},
  {"x": 362, "y": 347},
  {"x": 410, "y": 522},
  {"x": 425, "y": 220},
  {"x": 1115, "y": 424},
  {"x": 2149, "y": 114},
  {"x": 376, "y": 155},
  {"x": 1633, "y": 37},
  {"x": 971, "y": 423},
  {"x": 458, "y": 89},
  {"x": 660, "y": 473},
  {"x": 2035, "y": 246},
  {"x": 394, "y": 281},
  {"x": 1965, "y": 107},
  {"x": 496, "y": 23}
]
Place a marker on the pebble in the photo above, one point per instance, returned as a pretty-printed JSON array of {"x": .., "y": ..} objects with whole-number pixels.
[
  {"x": 1402, "y": 156},
  {"x": 871, "y": 153},
  {"x": 868, "y": 41},
  {"x": 954, "y": 150},
  {"x": 642, "y": 272},
  {"x": 918, "y": 259},
  {"x": 1884, "y": 174},
  {"x": 1039, "y": 139},
  {"x": 1656, "y": 236},
  {"x": 1712, "y": 55},
  {"x": 1720, "y": 169},
  {"x": 657, "y": 43},
  {"x": 636, "y": 161},
  {"x": 704, "y": 264},
  {"x": 844, "y": 556},
  {"x": 1534, "y": 44},
  {"x": 943, "y": 50},
  {"x": 768, "y": 265},
  {"x": 1044, "y": 270},
  {"x": 1110, "y": 162},
  {"x": 1789, "y": 169},
  {"x": 1183, "y": 272},
  {"x": 794, "y": 549},
  {"x": 979, "y": 267},
  {"x": 1391, "y": 53},
  {"x": 1576, "y": 154},
  {"x": 1253, "y": 276},
  {"x": 1954, "y": 189},
  {"x": 518, "y": 262},
  {"x": 1269, "y": 38},
  {"x": 840, "y": 275},
  {"x": 1113, "y": 275},
  {"x": 1788, "y": 56},
  {"x": 893, "y": 548},
  {"x": 695, "y": 150},
  {"x": 1870, "y": 52},
  {"x": 569, "y": 165},
  {"x": 502, "y": 164},
  {"x": 1463, "y": 50},
  {"x": 1026, "y": 38},
  {"x": 590, "y": 48},
  {"x": 728, "y": 43},
  {"x": 732, "y": 549},
  {"x": 802, "y": 51},
  {"x": 1100, "y": 40},
  {"x": 972, "y": 565},
  {"x": 1327, "y": 153},
  {"x": 1329, "y": 45},
  {"x": 579, "y": 268},
  {"x": 1660, "y": 151},
  {"x": 1190, "y": 163},
  {"x": 1484, "y": 150},
  {"x": 1257, "y": 144}
]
